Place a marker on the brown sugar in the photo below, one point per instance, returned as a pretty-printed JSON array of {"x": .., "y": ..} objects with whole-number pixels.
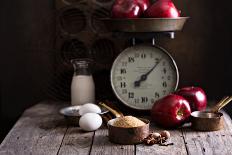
[{"x": 128, "y": 122}]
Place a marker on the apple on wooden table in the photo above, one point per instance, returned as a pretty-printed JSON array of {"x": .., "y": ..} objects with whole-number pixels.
[
  {"x": 171, "y": 111},
  {"x": 195, "y": 96}
]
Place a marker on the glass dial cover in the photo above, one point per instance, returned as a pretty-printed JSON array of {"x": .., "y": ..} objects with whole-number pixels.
[{"x": 142, "y": 74}]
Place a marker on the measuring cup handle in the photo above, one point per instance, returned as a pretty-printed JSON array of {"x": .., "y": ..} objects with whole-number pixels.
[
  {"x": 217, "y": 106},
  {"x": 225, "y": 103},
  {"x": 111, "y": 110}
]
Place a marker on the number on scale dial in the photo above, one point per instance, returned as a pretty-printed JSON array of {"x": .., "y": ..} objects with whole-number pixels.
[{"x": 142, "y": 74}]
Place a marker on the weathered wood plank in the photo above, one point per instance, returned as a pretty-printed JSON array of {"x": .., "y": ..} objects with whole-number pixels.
[
  {"x": 176, "y": 138},
  {"x": 210, "y": 143},
  {"x": 40, "y": 130},
  {"x": 76, "y": 142},
  {"x": 102, "y": 145}
]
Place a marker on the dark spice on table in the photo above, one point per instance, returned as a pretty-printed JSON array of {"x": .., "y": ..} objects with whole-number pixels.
[{"x": 157, "y": 138}]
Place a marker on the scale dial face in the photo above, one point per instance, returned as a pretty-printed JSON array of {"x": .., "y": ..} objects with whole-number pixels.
[{"x": 142, "y": 74}]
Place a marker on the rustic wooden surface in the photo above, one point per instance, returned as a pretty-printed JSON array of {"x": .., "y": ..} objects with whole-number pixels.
[{"x": 41, "y": 130}]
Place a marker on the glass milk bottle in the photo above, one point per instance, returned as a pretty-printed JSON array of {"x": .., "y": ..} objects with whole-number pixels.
[{"x": 82, "y": 87}]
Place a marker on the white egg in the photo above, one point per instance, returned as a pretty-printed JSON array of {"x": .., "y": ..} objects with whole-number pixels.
[
  {"x": 89, "y": 108},
  {"x": 90, "y": 121}
]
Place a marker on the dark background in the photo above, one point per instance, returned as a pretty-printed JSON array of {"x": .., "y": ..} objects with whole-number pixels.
[{"x": 202, "y": 51}]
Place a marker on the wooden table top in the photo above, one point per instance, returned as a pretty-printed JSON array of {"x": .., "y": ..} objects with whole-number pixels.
[{"x": 41, "y": 130}]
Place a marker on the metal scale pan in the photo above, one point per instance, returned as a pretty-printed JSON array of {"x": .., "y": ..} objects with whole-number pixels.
[{"x": 145, "y": 24}]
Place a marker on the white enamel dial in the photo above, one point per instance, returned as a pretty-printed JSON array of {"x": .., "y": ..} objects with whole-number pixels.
[{"x": 142, "y": 74}]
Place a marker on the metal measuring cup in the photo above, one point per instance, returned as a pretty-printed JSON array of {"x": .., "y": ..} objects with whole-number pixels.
[
  {"x": 121, "y": 135},
  {"x": 210, "y": 120}
]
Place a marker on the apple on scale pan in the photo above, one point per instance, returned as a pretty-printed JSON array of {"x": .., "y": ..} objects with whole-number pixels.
[
  {"x": 132, "y": 15},
  {"x": 129, "y": 8}
]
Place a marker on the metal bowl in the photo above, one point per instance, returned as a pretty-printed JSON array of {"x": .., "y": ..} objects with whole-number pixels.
[
  {"x": 128, "y": 136},
  {"x": 207, "y": 121},
  {"x": 145, "y": 24},
  {"x": 71, "y": 114}
]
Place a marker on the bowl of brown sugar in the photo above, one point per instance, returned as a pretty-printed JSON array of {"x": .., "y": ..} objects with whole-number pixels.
[{"x": 128, "y": 130}]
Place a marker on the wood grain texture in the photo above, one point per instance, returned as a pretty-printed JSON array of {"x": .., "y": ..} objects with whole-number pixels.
[
  {"x": 40, "y": 130},
  {"x": 102, "y": 145},
  {"x": 210, "y": 143},
  {"x": 177, "y": 149},
  {"x": 76, "y": 142}
]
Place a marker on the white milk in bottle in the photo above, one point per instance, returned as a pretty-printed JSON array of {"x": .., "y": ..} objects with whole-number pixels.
[{"x": 82, "y": 87}]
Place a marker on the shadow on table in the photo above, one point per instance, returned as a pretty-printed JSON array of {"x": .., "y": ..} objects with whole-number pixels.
[
  {"x": 52, "y": 124},
  {"x": 103, "y": 140}
]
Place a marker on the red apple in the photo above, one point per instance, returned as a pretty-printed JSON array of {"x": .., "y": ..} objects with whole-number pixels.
[
  {"x": 144, "y": 4},
  {"x": 126, "y": 9},
  {"x": 129, "y": 8},
  {"x": 195, "y": 96},
  {"x": 171, "y": 111},
  {"x": 162, "y": 9}
]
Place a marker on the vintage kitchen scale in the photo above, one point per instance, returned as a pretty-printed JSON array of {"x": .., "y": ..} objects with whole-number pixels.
[{"x": 143, "y": 73}]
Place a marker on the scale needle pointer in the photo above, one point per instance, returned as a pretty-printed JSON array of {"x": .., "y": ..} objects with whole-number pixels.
[{"x": 143, "y": 77}]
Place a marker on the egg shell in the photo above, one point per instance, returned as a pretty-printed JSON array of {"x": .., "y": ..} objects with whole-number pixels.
[
  {"x": 89, "y": 108},
  {"x": 90, "y": 121}
]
